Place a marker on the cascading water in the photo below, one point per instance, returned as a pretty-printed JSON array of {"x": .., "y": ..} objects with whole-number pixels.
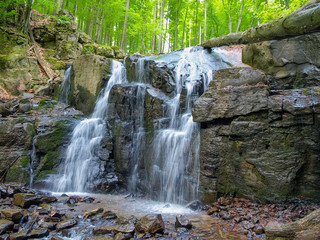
[
  {"x": 176, "y": 165},
  {"x": 79, "y": 169},
  {"x": 65, "y": 87},
  {"x": 33, "y": 160},
  {"x": 173, "y": 169}
]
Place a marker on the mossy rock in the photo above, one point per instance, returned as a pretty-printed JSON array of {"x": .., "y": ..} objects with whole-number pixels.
[
  {"x": 52, "y": 140},
  {"x": 18, "y": 174},
  {"x": 42, "y": 175}
]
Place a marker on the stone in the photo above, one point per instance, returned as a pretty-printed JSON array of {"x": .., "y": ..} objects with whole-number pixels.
[
  {"x": 5, "y": 225},
  {"x": 90, "y": 74},
  {"x": 195, "y": 205},
  {"x": 123, "y": 228},
  {"x": 92, "y": 213},
  {"x": 38, "y": 233},
  {"x": 230, "y": 102},
  {"x": 66, "y": 224},
  {"x": 56, "y": 238},
  {"x": 293, "y": 64},
  {"x": 22, "y": 235},
  {"x": 49, "y": 225},
  {"x": 109, "y": 215},
  {"x": 151, "y": 223},
  {"x": 25, "y": 200},
  {"x": 12, "y": 214},
  {"x": 182, "y": 221}
]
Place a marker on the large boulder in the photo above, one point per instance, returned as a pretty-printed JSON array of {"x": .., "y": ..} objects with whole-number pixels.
[
  {"x": 294, "y": 62},
  {"x": 256, "y": 143},
  {"x": 90, "y": 75}
]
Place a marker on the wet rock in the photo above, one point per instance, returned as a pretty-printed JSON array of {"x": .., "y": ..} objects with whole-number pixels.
[
  {"x": 258, "y": 230},
  {"x": 12, "y": 214},
  {"x": 150, "y": 224},
  {"x": 49, "y": 225},
  {"x": 74, "y": 199},
  {"x": 102, "y": 237},
  {"x": 66, "y": 224},
  {"x": 102, "y": 230},
  {"x": 56, "y": 238},
  {"x": 182, "y": 221},
  {"x": 88, "y": 200},
  {"x": 49, "y": 199},
  {"x": 38, "y": 233},
  {"x": 5, "y": 225},
  {"x": 121, "y": 236},
  {"x": 195, "y": 205},
  {"x": 25, "y": 200},
  {"x": 23, "y": 235},
  {"x": 92, "y": 213},
  {"x": 123, "y": 228},
  {"x": 109, "y": 215},
  {"x": 51, "y": 219}
]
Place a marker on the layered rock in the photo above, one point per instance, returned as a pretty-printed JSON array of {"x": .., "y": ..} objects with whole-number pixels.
[
  {"x": 255, "y": 142},
  {"x": 294, "y": 62}
]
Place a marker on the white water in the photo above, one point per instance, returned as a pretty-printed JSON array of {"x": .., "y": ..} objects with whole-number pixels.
[
  {"x": 33, "y": 160},
  {"x": 65, "y": 87},
  {"x": 82, "y": 164},
  {"x": 176, "y": 167}
]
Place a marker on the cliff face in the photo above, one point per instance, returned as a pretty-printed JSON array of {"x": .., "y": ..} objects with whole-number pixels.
[{"x": 260, "y": 134}]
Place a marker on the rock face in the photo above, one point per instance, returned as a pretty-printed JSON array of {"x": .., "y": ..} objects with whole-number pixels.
[
  {"x": 294, "y": 62},
  {"x": 257, "y": 142},
  {"x": 90, "y": 75}
]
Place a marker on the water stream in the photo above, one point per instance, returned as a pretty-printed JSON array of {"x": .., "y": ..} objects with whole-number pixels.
[
  {"x": 81, "y": 165},
  {"x": 170, "y": 161},
  {"x": 65, "y": 87}
]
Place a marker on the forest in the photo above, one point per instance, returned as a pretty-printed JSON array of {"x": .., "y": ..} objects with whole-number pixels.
[{"x": 158, "y": 26}]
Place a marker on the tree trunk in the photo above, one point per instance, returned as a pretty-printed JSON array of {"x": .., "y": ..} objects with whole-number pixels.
[
  {"x": 25, "y": 27},
  {"x": 60, "y": 4},
  {"x": 123, "y": 44},
  {"x": 196, "y": 26},
  {"x": 205, "y": 21},
  {"x": 161, "y": 25},
  {"x": 229, "y": 16},
  {"x": 184, "y": 34},
  {"x": 176, "y": 27},
  {"x": 240, "y": 16},
  {"x": 153, "y": 40}
]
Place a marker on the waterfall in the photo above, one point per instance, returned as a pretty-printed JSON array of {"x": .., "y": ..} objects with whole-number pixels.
[
  {"x": 176, "y": 165},
  {"x": 81, "y": 164},
  {"x": 65, "y": 87},
  {"x": 33, "y": 160}
]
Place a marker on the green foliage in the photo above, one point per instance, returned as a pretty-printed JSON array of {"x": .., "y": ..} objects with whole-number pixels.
[
  {"x": 163, "y": 26},
  {"x": 63, "y": 20}
]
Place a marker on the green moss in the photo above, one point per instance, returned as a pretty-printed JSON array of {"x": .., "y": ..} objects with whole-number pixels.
[
  {"x": 88, "y": 48},
  {"x": 25, "y": 160},
  {"x": 56, "y": 64},
  {"x": 17, "y": 174},
  {"x": 44, "y": 174},
  {"x": 317, "y": 90},
  {"x": 50, "y": 161},
  {"x": 51, "y": 141},
  {"x": 306, "y": 91}
]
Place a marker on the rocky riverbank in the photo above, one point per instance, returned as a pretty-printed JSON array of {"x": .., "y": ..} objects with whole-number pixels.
[{"x": 27, "y": 213}]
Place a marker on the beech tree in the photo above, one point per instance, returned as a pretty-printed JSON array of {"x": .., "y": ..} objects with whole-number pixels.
[{"x": 153, "y": 26}]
